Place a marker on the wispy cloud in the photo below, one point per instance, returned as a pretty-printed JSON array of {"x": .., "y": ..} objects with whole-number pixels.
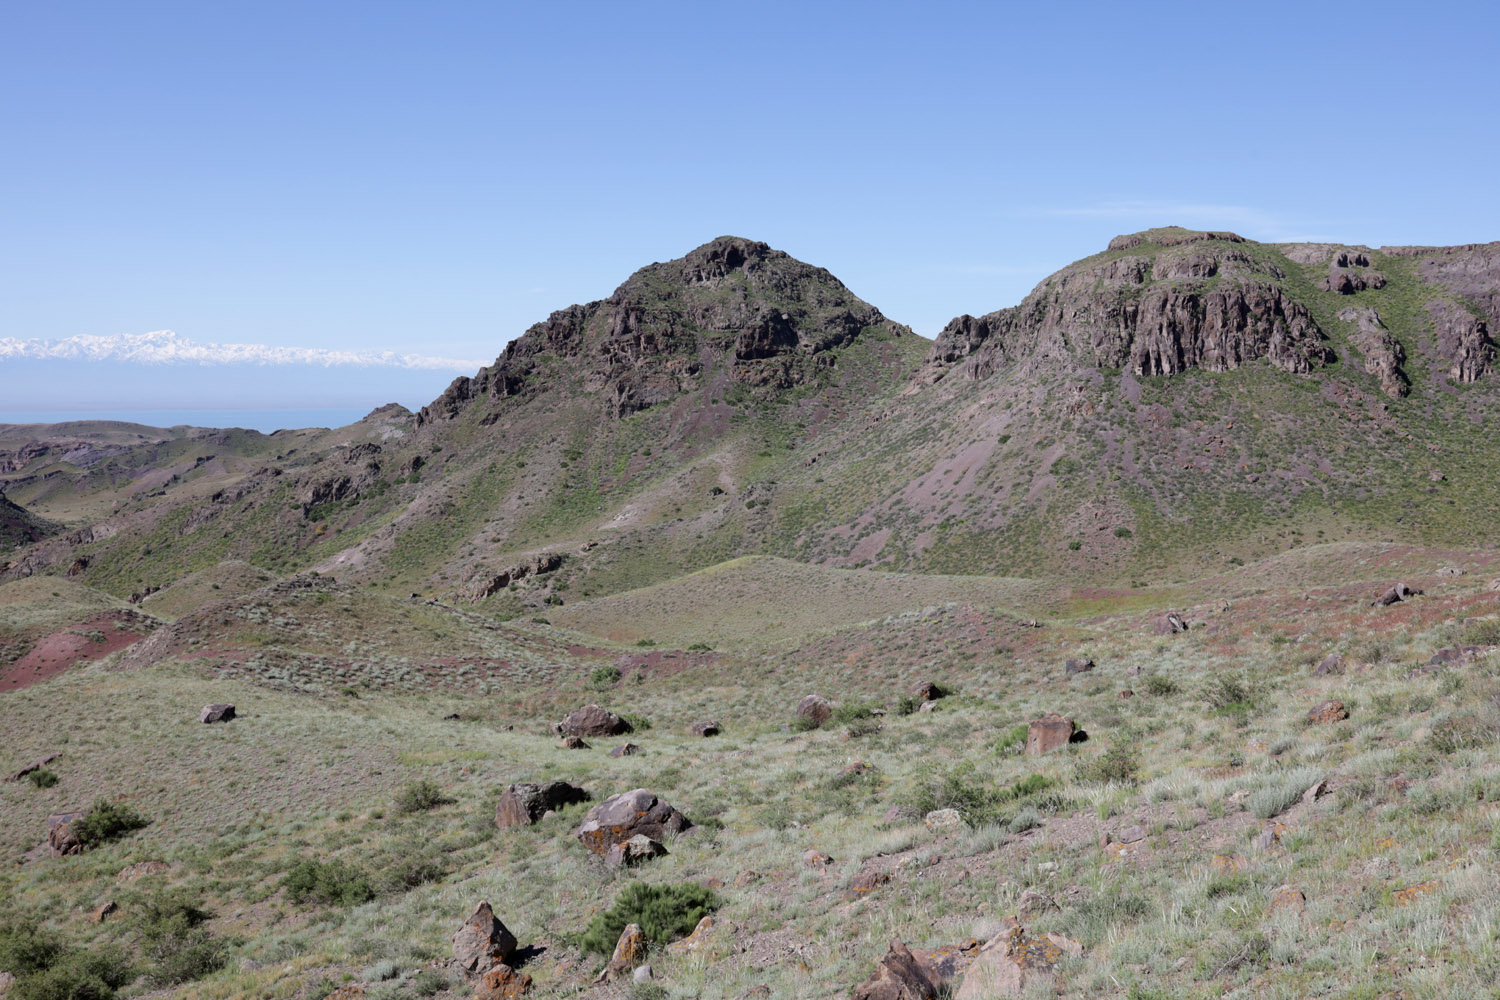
[
  {"x": 164, "y": 347},
  {"x": 1198, "y": 215}
]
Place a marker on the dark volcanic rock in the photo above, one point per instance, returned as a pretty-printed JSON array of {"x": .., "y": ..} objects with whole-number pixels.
[
  {"x": 523, "y": 803},
  {"x": 216, "y": 713},
  {"x": 897, "y": 976},
  {"x": 591, "y": 720},
  {"x": 1463, "y": 341},
  {"x": 1382, "y": 352},
  {"x": 62, "y": 838},
  {"x": 815, "y": 709},
  {"x": 482, "y": 941}
]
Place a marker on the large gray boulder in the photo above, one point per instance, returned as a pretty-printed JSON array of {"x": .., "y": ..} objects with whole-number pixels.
[
  {"x": 482, "y": 941},
  {"x": 525, "y": 802},
  {"x": 591, "y": 720},
  {"x": 637, "y": 812}
]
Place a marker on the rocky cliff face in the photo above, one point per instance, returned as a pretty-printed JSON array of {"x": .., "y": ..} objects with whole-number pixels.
[
  {"x": 732, "y": 307},
  {"x": 1156, "y": 304}
]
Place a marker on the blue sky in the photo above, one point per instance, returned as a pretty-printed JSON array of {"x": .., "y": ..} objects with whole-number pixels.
[{"x": 434, "y": 177}]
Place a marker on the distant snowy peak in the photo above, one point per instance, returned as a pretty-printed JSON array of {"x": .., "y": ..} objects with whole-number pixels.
[{"x": 164, "y": 347}]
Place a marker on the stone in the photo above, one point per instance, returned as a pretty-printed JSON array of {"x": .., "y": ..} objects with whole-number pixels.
[
  {"x": 216, "y": 713},
  {"x": 1332, "y": 664},
  {"x": 636, "y": 850},
  {"x": 571, "y": 742},
  {"x": 943, "y": 819},
  {"x": 744, "y": 878},
  {"x": 927, "y": 706},
  {"x": 99, "y": 915},
  {"x": 1068, "y": 945},
  {"x": 141, "y": 869},
  {"x": 642, "y": 974},
  {"x": 1051, "y": 732},
  {"x": 867, "y": 882},
  {"x": 1126, "y": 694},
  {"x": 815, "y": 710},
  {"x": 1315, "y": 791},
  {"x": 591, "y": 720},
  {"x": 621, "y": 817},
  {"x": 1072, "y": 666},
  {"x": 482, "y": 941},
  {"x": 1326, "y": 712},
  {"x": 1133, "y": 834},
  {"x": 704, "y": 728},
  {"x": 1008, "y": 964},
  {"x": 696, "y": 941},
  {"x": 1170, "y": 623},
  {"x": 926, "y": 691},
  {"x": 501, "y": 983},
  {"x": 897, "y": 976},
  {"x": 945, "y": 964},
  {"x": 629, "y": 952},
  {"x": 61, "y": 836},
  {"x": 625, "y": 750},
  {"x": 7, "y": 980},
  {"x": 1226, "y": 864},
  {"x": 35, "y": 765},
  {"x": 1379, "y": 867},
  {"x": 526, "y": 802},
  {"x": 814, "y": 858},
  {"x": 1399, "y": 592}
]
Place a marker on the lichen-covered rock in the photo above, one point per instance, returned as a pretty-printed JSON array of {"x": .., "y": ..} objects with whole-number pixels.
[
  {"x": 62, "y": 835},
  {"x": 502, "y": 983},
  {"x": 1008, "y": 964},
  {"x": 1463, "y": 341},
  {"x": 636, "y": 850},
  {"x": 1326, "y": 712},
  {"x": 705, "y": 727},
  {"x": 814, "y": 710},
  {"x": 630, "y": 951},
  {"x": 629, "y": 814}
]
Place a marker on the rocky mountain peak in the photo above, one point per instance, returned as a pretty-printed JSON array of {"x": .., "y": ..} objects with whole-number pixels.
[{"x": 735, "y": 306}]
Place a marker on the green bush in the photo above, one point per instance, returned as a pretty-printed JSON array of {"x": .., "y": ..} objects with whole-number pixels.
[
  {"x": 906, "y": 704},
  {"x": 105, "y": 821},
  {"x": 428, "y": 982},
  {"x": 1228, "y": 694},
  {"x": 1118, "y": 764},
  {"x": 77, "y": 974},
  {"x": 1160, "y": 685},
  {"x": 332, "y": 883},
  {"x": 1013, "y": 742},
  {"x": 604, "y": 678},
  {"x": 1123, "y": 532},
  {"x": 175, "y": 942},
  {"x": 664, "y": 913},
  {"x": 420, "y": 796},
  {"x": 1483, "y": 633},
  {"x": 42, "y": 778},
  {"x": 1074, "y": 545},
  {"x": 26, "y": 948}
]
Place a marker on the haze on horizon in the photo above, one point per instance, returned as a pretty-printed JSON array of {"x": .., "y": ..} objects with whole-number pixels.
[{"x": 351, "y": 180}]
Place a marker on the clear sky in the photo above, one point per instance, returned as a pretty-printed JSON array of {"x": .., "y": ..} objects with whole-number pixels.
[{"x": 433, "y": 177}]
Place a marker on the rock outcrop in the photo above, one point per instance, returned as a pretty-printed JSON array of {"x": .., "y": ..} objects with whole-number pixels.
[
  {"x": 483, "y": 941},
  {"x": 1382, "y": 353},
  {"x": 591, "y": 720},
  {"x": 634, "y": 813},
  {"x": 1463, "y": 341}
]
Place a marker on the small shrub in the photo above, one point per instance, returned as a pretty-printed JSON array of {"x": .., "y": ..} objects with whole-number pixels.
[
  {"x": 77, "y": 974},
  {"x": 332, "y": 883},
  {"x": 428, "y": 982},
  {"x": 42, "y": 778},
  {"x": 1229, "y": 695},
  {"x": 176, "y": 945},
  {"x": 604, "y": 678},
  {"x": 1118, "y": 765},
  {"x": 906, "y": 704},
  {"x": 645, "y": 643},
  {"x": 639, "y": 723},
  {"x": 700, "y": 647},
  {"x": 106, "y": 821},
  {"x": 1483, "y": 633},
  {"x": 1123, "y": 532},
  {"x": 1160, "y": 685},
  {"x": 1013, "y": 742},
  {"x": 420, "y": 796},
  {"x": 1277, "y": 798},
  {"x": 1074, "y": 545},
  {"x": 664, "y": 913},
  {"x": 26, "y": 948}
]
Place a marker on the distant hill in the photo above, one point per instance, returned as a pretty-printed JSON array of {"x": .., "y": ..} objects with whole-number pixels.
[{"x": 1171, "y": 405}]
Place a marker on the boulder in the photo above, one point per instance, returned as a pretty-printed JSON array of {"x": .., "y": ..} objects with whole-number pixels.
[
  {"x": 867, "y": 882},
  {"x": 523, "y": 803},
  {"x": 897, "y": 976},
  {"x": 1287, "y": 899},
  {"x": 7, "y": 980},
  {"x": 61, "y": 837},
  {"x": 1126, "y": 694},
  {"x": 571, "y": 742},
  {"x": 1168, "y": 624},
  {"x": 625, "y": 750},
  {"x": 216, "y": 713},
  {"x": 944, "y": 964},
  {"x": 1333, "y": 663},
  {"x": 1008, "y": 964},
  {"x": 1226, "y": 864},
  {"x": 1033, "y": 901},
  {"x": 35, "y": 765},
  {"x": 591, "y": 720},
  {"x": 1051, "y": 732},
  {"x": 814, "y": 858},
  {"x": 1327, "y": 711},
  {"x": 696, "y": 941},
  {"x": 815, "y": 709},
  {"x": 634, "y": 851},
  {"x": 1077, "y": 666},
  {"x": 1399, "y": 592},
  {"x": 926, "y": 691},
  {"x": 704, "y": 728},
  {"x": 1132, "y": 834},
  {"x": 502, "y": 983},
  {"x": 943, "y": 819},
  {"x": 103, "y": 912},
  {"x": 483, "y": 941},
  {"x": 620, "y": 817},
  {"x": 629, "y": 951}
]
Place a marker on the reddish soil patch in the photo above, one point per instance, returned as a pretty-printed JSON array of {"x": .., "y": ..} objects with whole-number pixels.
[{"x": 91, "y": 640}]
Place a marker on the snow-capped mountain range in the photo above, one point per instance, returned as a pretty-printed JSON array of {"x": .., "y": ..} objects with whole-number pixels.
[{"x": 164, "y": 347}]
